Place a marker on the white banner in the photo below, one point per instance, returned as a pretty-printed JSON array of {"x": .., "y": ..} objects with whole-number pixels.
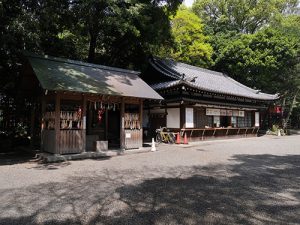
[
  {"x": 212, "y": 112},
  {"x": 241, "y": 113}
]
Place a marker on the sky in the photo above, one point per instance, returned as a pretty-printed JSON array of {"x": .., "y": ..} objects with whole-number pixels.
[{"x": 188, "y": 3}]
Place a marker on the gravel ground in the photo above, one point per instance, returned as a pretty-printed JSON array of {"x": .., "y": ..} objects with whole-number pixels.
[{"x": 240, "y": 181}]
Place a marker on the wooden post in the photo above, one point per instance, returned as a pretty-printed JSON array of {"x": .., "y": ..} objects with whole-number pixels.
[
  {"x": 43, "y": 110},
  {"x": 57, "y": 123},
  {"x": 182, "y": 116},
  {"x": 84, "y": 102},
  {"x": 141, "y": 113},
  {"x": 141, "y": 121},
  {"x": 106, "y": 125},
  {"x": 32, "y": 120},
  {"x": 122, "y": 129}
]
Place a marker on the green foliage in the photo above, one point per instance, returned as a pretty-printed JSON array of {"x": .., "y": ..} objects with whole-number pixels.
[
  {"x": 111, "y": 32},
  {"x": 263, "y": 60},
  {"x": 190, "y": 43},
  {"x": 124, "y": 33},
  {"x": 246, "y": 16}
]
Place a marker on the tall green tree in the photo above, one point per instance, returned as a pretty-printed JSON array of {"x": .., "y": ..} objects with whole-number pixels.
[
  {"x": 290, "y": 26},
  {"x": 263, "y": 60},
  {"x": 123, "y": 33},
  {"x": 245, "y": 16},
  {"x": 190, "y": 44}
]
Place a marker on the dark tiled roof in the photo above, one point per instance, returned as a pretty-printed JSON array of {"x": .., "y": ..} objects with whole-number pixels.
[
  {"x": 59, "y": 74},
  {"x": 203, "y": 79}
]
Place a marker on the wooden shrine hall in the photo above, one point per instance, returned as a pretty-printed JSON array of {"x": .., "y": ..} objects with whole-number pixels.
[
  {"x": 202, "y": 103},
  {"x": 86, "y": 107}
]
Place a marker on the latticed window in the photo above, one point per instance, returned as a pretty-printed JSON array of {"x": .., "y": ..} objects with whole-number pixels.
[
  {"x": 201, "y": 119},
  {"x": 245, "y": 121}
]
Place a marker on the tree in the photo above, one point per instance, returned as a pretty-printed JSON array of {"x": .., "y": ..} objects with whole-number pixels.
[
  {"x": 245, "y": 16},
  {"x": 290, "y": 26},
  {"x": 124, "y": 32},
  {"x": 267, "y": 60},
  {"x": 263, "y": 60},
  {"x": 191, "y": 45}
]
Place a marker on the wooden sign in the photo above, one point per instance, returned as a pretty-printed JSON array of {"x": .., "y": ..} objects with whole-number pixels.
[
  {"x": 212, "y": 112},
  {"x": 228, "y": 112},
  {"x": 241, "y": 113},
  {"x": 223, "y": 112},
  {"x": 235, "y": 113}
]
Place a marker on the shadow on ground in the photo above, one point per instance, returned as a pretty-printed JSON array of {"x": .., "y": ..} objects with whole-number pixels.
[
  {"x": 252, "y": 189},
  {"x": 16, "y": 156}
]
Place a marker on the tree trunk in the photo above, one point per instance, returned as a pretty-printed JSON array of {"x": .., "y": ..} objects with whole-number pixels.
[
  {"x": 293, "y": 104},
  {"x": 92, "y": 47}
]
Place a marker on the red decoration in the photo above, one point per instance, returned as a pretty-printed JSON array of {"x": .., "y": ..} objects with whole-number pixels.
[
  {"x": 100, "y": 114},
  {"x": 278, "y": 109}
]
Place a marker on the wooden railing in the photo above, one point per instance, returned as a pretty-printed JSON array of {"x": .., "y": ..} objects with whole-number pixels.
[{"x": 202, "y": 133}]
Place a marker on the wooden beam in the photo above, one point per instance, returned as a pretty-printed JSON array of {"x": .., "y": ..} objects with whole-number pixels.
[{"x": 57, "y": 123}]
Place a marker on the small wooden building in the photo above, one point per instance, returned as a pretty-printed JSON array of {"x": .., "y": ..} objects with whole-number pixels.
[
  {"x": 84, "y": 104},
  {"x": 202, "y": 103}
]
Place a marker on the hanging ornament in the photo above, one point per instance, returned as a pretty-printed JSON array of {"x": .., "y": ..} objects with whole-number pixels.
[
  {"x": 100, "y": 114},
  {"x": 79, "y": 113}
]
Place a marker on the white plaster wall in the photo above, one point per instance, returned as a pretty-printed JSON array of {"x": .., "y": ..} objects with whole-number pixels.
[
  {"x": 189, "y": 117},
  {"x": 173, "y": 118}
]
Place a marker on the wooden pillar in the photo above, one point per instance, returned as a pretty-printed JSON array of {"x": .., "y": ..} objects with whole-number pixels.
[
  {"x": 106, "y": 125},
  {"x": 84, "y": 107},
  {"x": 141, "y": 112},
  {"x": 32, "y": 120},
  {"x": 43, "y": 110},
  {"x": 141, "y": 122},
  {"x": 122, "y": 127},
  {"x": 57, "y": 123},
  {"x": 182, "y": 116}
]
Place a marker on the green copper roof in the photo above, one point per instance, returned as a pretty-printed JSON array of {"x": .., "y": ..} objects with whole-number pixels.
[{"x": 68, "y": 75}]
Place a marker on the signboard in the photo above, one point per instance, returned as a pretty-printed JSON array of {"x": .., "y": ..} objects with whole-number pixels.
[
  {"x": 223, "y": 112},
  {"x": 235, "y": 113},
  {"x": 241, "y": 113},
  {"x": 212, "y": 112},
  {"x": 189, "y": 118},
  {"x": 127, "y": 135},
  {"x": 228, "y": 112}
]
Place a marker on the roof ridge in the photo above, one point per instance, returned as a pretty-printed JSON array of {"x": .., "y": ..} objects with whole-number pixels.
[
  {"x": 79, "y": 63},
  {"x": 201, "y": 69},
  {"x": 166, "y": 70},
  {"x": 165, "y": 82}
]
